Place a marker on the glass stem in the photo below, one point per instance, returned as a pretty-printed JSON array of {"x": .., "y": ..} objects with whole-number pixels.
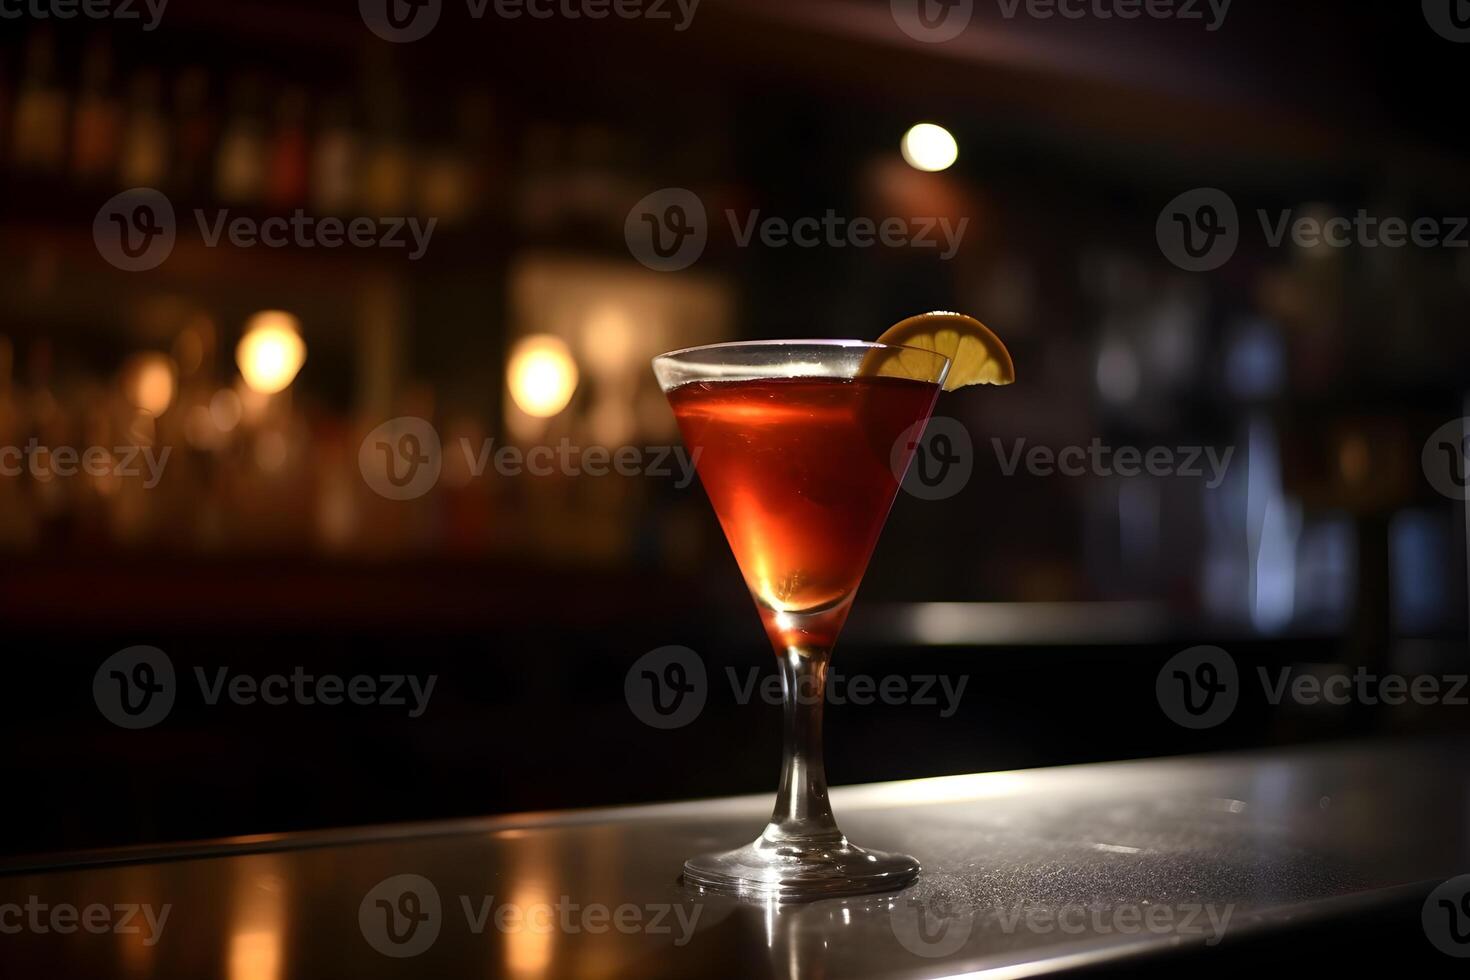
[{"x": 803, "y": 814}]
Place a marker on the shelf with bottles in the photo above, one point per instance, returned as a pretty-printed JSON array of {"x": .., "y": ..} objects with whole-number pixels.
[
  {"x": 232, "y": 138},
  {"x": 360, "y": 139}
]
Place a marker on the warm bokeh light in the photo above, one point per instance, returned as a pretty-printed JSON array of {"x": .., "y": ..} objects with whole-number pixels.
[
  {"x": 529, "y": 948},
  {"x": 225, "y": 409},
  {"x": 607, "y": 340},
  {"x": 257, "y": 921},
  {"x": 255, "y": 955},
  {"x": 253, "y": 404},
  {"x": 149, "y": 383},
  {"x": 612, "y": 421},
  {"x": 271, "y": 352},
  {"x": 541, "y": 375},
  {"x": 929, "y": 147}
]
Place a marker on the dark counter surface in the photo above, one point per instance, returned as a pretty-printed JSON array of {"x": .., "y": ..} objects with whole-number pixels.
[{"x": 1025, "y": 873}]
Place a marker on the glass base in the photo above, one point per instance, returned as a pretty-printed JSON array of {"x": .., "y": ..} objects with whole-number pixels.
[{"x": 792, "y": 872}]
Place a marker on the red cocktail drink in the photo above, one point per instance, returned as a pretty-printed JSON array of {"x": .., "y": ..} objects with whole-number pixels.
[
  {"x": 802, "y": 473},
  {"x": 801, "y": 445}
]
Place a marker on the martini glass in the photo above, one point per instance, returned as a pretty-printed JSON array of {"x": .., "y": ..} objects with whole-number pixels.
[{"x": 801, "y": 451}]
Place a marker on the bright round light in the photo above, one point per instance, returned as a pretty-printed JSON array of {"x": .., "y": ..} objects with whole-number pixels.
[
  {"x": 271, "y": 352},
  {"x": 149, "y": 382},
  {"x": 929, "y": 147},
  {"x": 541, "y": 375}
]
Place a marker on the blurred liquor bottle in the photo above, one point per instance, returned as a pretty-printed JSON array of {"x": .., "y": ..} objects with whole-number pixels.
[
  {"x": 195, "y": 128},
  {"x": 38, "y": 139},
  {"x": 443, "y": 186},
  {"x": 144, "y": 161},
  {"x": 387, "y": 166},
  {"x": 336, "y": 157},
  {"x": 287, "y": 164},
  {"x": 97, "y": 124},
  {"x": 448, "y": 189},
  {"x": 481, "y": 170},
  {"x": 240, "y": 164}
]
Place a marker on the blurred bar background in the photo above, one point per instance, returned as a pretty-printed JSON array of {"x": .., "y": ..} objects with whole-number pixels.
[{"x": 527, "y": 321}]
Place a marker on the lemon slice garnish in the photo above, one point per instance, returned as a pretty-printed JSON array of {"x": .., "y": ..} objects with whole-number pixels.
[{"x": 976, "y": 355}]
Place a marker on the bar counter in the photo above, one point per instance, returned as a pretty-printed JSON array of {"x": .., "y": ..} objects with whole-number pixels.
[{"x": 1025, "y": 873}]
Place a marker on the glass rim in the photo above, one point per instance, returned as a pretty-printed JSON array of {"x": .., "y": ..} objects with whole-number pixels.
[{"x": 810, "y": 342}]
